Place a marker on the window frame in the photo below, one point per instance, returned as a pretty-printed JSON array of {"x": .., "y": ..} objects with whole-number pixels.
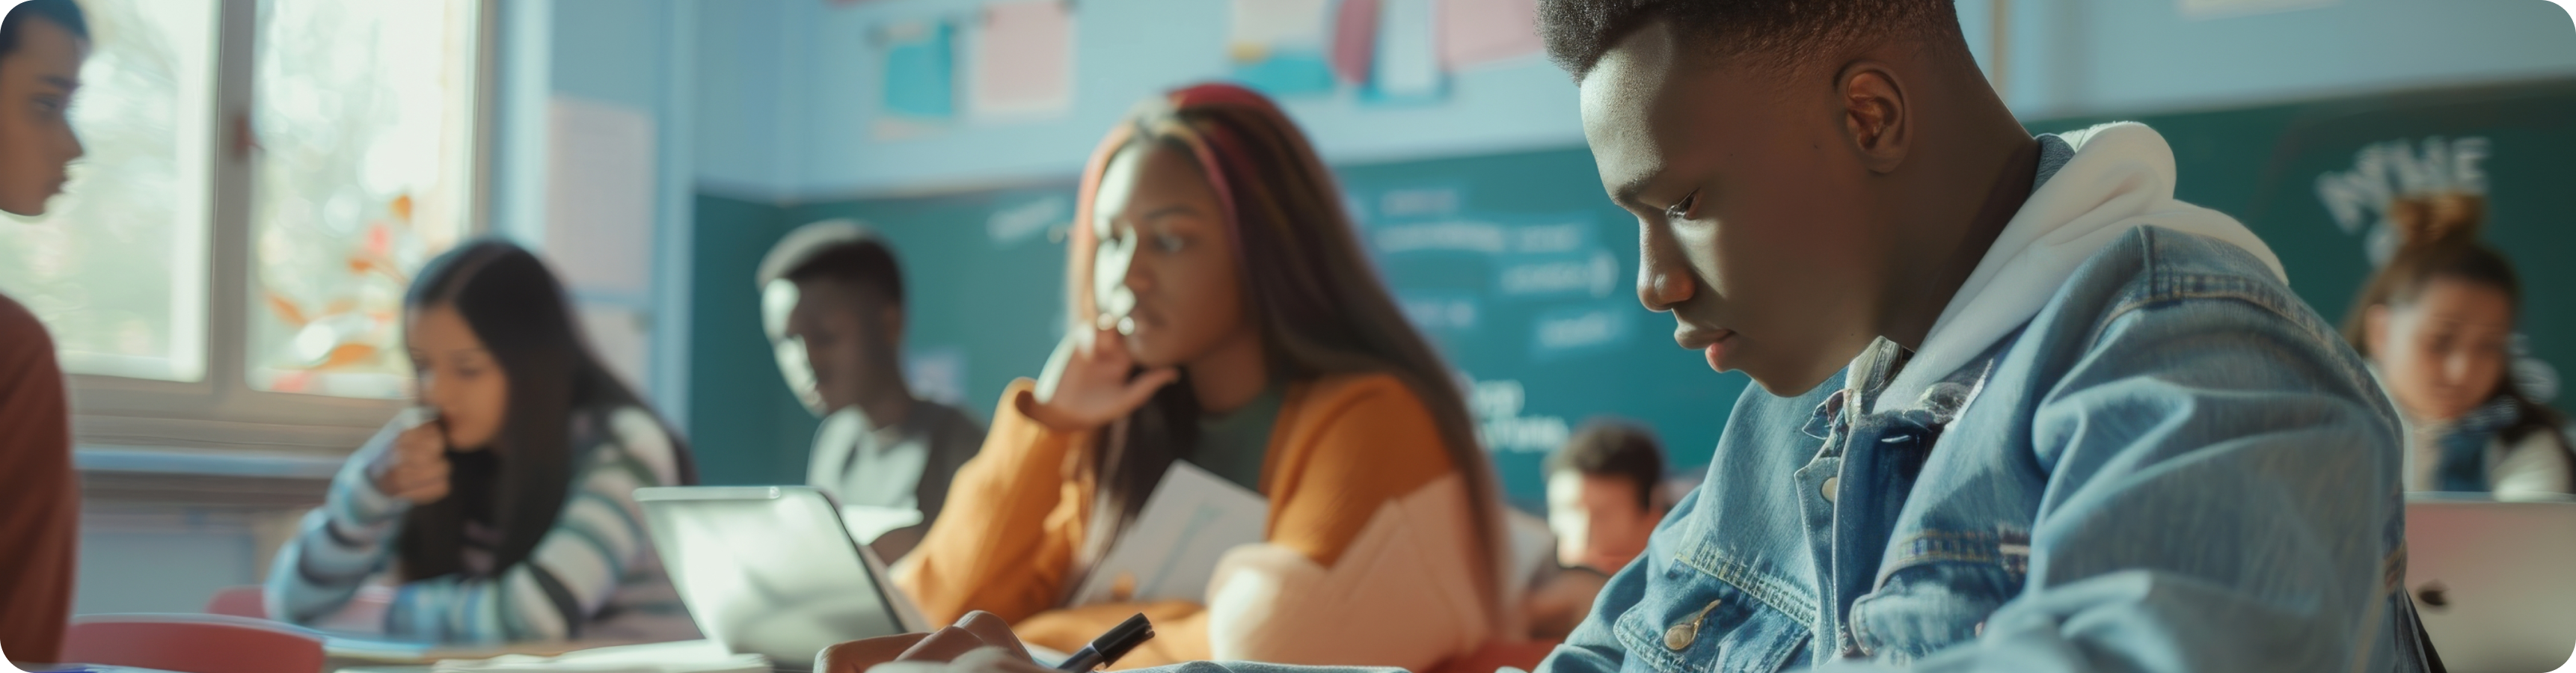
[{"x": 221, "y": 410}]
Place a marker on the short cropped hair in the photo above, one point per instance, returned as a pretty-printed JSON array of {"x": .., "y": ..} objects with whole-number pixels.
[
  {"x": 1611, "y": 448},
  {"x": 1774, "y": 32},
  {"x": 839, "y": 251},
  {"x": 61, "y": 12}
]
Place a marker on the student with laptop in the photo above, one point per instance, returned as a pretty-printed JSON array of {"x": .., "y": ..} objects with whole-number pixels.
[
  {"x": 1226, "y": 316},
  {"x": 832, "y": 302},
  {"x": 2018, "y": 408},
  {"x": 2437, "y": 323},
  {"x": 502, "y": 509},
  {"x": 42, "y": 46}
]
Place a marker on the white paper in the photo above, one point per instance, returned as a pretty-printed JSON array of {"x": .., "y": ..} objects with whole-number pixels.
[
  {"x": 1408, "y": 64},
  {"x": 1023, "y": 65},
  {"x": 1171, "y": 550},
  {"x": 599, "y": 196},
  {"x": 867, "y": 523}
]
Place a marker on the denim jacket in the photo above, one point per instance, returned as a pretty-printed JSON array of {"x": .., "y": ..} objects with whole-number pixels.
[{"x": 2175, "y": 466}]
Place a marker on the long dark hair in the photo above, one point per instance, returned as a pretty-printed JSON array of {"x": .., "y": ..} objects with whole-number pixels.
[
  {"x": 1317, "y": 298},
  {"x": 2438, "y": 238},
  {"x": 520, "y": 313}
]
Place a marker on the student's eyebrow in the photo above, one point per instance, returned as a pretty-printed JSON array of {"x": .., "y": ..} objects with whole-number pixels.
[
  {"x": 67, "y": 84},
  {"x": 1167, "y": 211}
]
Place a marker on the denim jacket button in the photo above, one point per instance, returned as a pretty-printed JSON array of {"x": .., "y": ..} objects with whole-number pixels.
[
  {"x": 1830, "y": 483},
  {"x": 1680, "y": 636}
]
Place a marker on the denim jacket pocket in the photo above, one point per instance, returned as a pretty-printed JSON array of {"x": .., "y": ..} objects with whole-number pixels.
[
  {"x": 1694, "y": 623},
  {"x": 1938, "y": 593}
]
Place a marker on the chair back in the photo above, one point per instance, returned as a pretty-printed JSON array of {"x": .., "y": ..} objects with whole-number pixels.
[{"x": 241, "y": 601}]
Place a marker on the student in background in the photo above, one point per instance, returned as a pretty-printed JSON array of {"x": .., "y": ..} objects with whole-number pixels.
[
  {"x": 2437, "y": 325},
  {"x": 42, "y": 45},
  {"x": 503, "y": 508},
  {"x": 832, "y": 302},
  {"x": 1226, "y": 316},
  {"x": 1603, "y": 500}
]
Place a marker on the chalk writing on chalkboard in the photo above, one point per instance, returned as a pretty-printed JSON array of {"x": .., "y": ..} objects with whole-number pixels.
[
  {"x": 1500, "y": 425},
  {"x": 2383, "y": 172}
]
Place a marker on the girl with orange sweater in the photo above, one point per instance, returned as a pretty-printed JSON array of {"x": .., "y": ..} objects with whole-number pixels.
[{"x": 1226, "y": 316}]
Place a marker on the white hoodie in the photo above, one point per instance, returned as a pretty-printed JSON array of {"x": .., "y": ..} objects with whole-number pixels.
[{"x": 2121, "y": 178}]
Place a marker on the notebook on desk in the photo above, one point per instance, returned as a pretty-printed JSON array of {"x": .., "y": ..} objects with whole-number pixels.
[{"x": 772, "y": 570}]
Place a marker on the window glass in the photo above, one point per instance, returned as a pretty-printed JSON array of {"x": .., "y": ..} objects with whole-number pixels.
[{"x": 365, "y": 113}]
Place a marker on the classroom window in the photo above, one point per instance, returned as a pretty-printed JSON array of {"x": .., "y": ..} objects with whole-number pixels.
[
  {"x": 262, "y": 178},
  {"x": 366, "y": 114}
]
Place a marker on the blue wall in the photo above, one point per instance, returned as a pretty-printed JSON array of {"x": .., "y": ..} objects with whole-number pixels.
[
  {"x": 2143, "y": 56},
  {"x": 789, "y": 85}
]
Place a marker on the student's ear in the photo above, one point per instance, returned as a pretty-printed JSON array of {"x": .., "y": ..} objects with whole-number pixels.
[{"x": 1875, "y": 117}]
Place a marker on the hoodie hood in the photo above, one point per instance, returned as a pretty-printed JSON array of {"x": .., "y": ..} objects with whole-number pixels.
[{"x": 2120, "y": 178}]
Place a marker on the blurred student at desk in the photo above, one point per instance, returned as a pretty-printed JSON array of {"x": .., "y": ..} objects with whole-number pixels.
[
  {"x": 502, "y": 510},
  {"x": 1227, "y": 317},
  {"x": 1603, "y": 501},
  {"x": 42, "y": 46},
  {"x": 2437, "y": 324},
  {"x": 832, "y": 302}
]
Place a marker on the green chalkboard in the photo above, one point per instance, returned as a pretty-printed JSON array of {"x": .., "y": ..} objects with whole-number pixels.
[
  {"x": 1524, "y": 274},
  {"x": 2286, "y": 170}
]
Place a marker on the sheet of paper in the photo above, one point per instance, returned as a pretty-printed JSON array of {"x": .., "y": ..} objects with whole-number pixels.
[
  {"x": 867, "y": 523},
  {"x": 1407, "y": 67},
  {"x": 1023, "y": 66},
  {"x": 1170, "y": 552},
  {"x": 1476, "y": 32},
  {"x": 600, "y": 196},
  {"x": 920, "y": 79}
]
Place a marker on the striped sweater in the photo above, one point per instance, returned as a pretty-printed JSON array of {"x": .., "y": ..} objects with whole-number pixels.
[{"x": 594, "y": 575}]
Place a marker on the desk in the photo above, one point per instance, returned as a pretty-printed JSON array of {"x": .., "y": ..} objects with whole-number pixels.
[
  {"x": 351, "y": 654},
  {"x": 356, "y": 656}
]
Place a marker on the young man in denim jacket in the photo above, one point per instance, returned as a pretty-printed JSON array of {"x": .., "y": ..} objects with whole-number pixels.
[
  {"x": 2024, "y": 411},
  {"x": 2021, "y": 410}
]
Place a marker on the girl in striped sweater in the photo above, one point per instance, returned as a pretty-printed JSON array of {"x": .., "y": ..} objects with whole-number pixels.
[{"x": 502, "y": 509}]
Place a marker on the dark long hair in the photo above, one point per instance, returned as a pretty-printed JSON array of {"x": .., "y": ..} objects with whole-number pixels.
[
  {"x": 1319, "y": 303},
  {"x": 520, "y": 313},
  {"x": 2438, "y": 238}
]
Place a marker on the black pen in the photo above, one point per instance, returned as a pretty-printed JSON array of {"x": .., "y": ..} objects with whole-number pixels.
[{"x": 1107, "y": 648}]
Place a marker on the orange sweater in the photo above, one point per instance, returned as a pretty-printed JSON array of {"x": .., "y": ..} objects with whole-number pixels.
[
  {"x": 39, "y": 495},
  {"x": 1344, "y": 455}
]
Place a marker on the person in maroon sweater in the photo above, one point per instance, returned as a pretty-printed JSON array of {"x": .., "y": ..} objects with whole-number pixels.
[{"x": 42, "y": 44}]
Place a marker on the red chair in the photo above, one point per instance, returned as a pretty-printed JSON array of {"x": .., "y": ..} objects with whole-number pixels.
[
  {"x": 187, "y": 643},
  {"x": 241, "y": 601}
]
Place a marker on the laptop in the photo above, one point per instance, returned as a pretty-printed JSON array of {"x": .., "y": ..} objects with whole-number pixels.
[
  {"x": 772, "y": 570},
  {"x": 2495, "y": 582}
]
